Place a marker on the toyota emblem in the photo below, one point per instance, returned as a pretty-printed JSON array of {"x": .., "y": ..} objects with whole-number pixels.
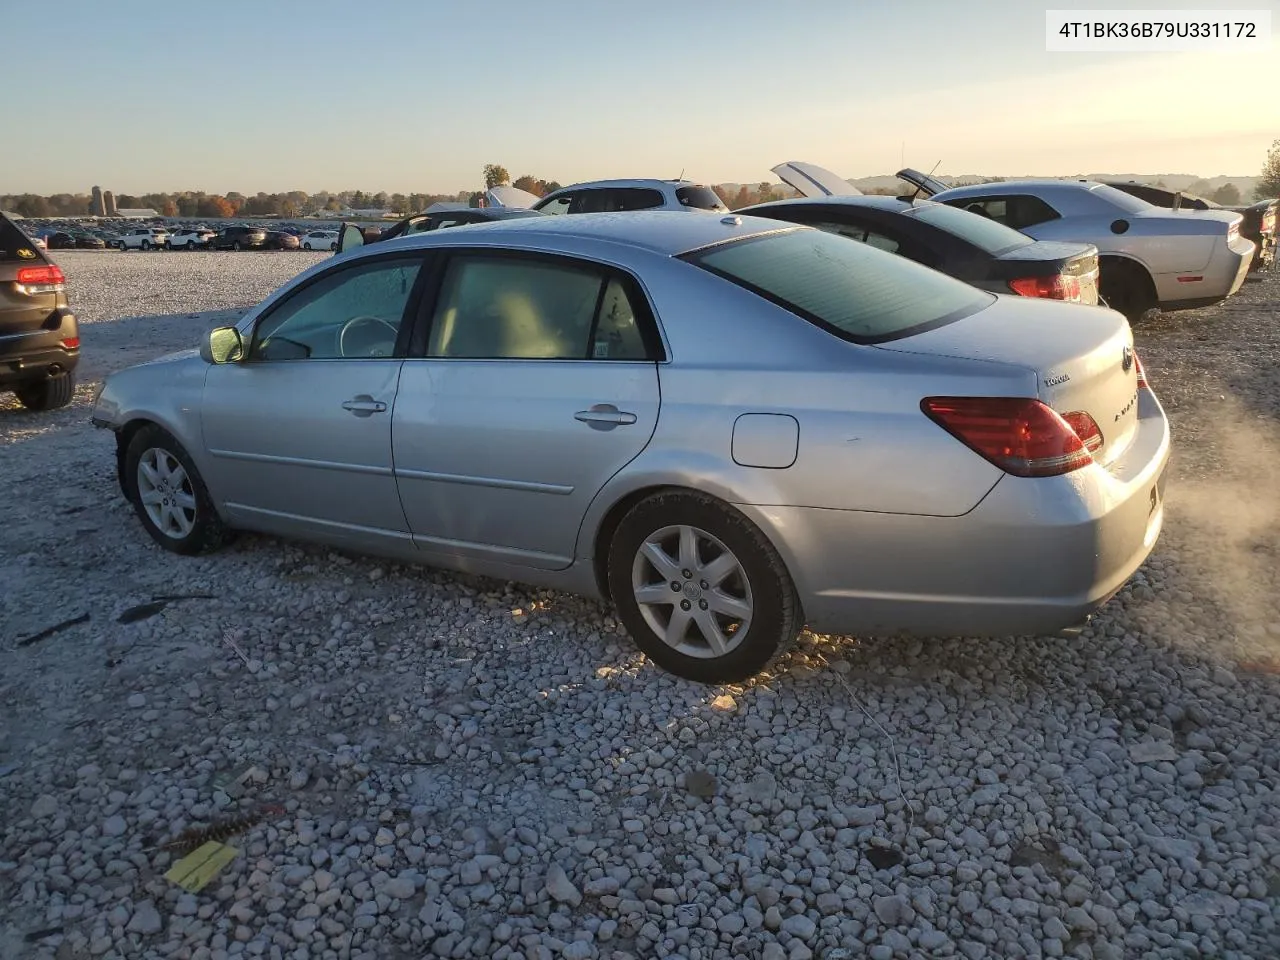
[{"x": 1126, "y": 359}]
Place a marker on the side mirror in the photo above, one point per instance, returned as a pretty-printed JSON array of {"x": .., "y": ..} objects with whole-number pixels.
[
  {"x": 350, "y": 237},
  {"x": 223, "y": 345}
]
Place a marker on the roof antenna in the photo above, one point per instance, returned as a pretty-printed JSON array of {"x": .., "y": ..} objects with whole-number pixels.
[
  {"x": 681, "y": 177},
  {"x": 920, "y": 185}
]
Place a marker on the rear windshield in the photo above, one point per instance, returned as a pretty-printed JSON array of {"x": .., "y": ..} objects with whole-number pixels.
[
  {"x": 983, "y": 232},
  {"x": 1125, "y": 201},
  {"x": 704, "y": 198},
  {"x": 849, "y": 289},
  {"x": 16, "y": 245}
]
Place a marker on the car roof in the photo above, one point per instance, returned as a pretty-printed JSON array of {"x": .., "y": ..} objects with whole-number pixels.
[
  {"x": 665, "y": 232},
  {"x": 649, "y": 182},
  {"x": 873, "y": 201},
  {"x": 1029, "y": 184}
]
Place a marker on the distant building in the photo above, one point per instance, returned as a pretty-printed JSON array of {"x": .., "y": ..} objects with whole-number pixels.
[
  {"x": 109, "y": 204},
  {"x": 99, "y": 208},
  {"x": 138, "y": 213}
]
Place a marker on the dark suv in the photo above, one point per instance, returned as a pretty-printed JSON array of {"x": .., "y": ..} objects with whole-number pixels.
[
  {"x": 239, "y": 238},
  {"x": 39, "y": 339}
]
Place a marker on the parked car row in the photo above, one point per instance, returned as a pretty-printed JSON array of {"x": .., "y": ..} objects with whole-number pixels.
[{"x": 1079, "y": 241}]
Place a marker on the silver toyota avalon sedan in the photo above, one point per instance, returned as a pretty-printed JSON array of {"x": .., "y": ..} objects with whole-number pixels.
[{"x": 728, "y": 427}]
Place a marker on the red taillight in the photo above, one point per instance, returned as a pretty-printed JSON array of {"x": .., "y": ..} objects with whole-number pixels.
[
  {"x": 42, "y": 279},
  {"x": 1021, "y": 436},
  {"x": 1056, "y": 287},
  {"x": 50, "y": 273},
  {"x": 1233, "y": 231},
  {"x": 71, "y": 343},
  {"x": 1142, "y": 374},
  {"x": 1086, "y": 428}
]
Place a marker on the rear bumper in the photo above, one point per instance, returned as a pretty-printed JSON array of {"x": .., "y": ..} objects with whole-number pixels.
[
  {"x": 1033, "y": 557},
  {"x": 1224, "y": 275},
  {"x": 27, "y": 357}
]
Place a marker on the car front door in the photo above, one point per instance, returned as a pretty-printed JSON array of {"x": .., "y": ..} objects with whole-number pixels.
[
  {"x": 298, "y": 432},
  {"x": 538, "y": 382}
]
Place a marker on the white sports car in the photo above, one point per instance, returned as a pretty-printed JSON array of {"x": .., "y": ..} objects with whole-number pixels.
[{"x": 1149, "y": 257}]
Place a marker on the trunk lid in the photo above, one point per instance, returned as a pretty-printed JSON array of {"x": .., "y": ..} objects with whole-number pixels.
[
  {"x": 505, "y": 196},
  {"x": 926, "y": 184},
  {"x": 1077, "y": 262},
  {"x": 1082, "y": 357},
  {"x": 814, "y": 181}
]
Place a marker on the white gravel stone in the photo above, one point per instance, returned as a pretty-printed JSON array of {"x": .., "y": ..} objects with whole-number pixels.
[{"x": 449, "y": 752}]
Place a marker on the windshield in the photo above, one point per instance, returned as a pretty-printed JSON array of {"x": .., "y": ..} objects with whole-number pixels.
[
  {"x": 849, "y": 289},
  {"x": 704, "y": 198},
  {"x": 983, "y": 232}
]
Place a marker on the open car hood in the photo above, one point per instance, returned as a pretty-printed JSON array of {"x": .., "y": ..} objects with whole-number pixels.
[
  {"x": 814, "y": 181},
  {"x": 928, "y": 185},
  {"x": 504, "y": 196}
]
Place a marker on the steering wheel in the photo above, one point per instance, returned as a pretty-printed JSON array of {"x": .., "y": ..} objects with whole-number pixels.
[{"x": 377, "y": 348}]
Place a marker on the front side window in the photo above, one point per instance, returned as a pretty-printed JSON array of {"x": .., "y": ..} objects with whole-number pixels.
[
  {"x": 527, "y": 308},
  {"x": 846, "y": 288},
  {"x": 348, "y": 314},
  {"x": 558, "y": 204}
]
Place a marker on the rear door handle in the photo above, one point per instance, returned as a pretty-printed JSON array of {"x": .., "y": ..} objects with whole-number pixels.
[
  {"x": 604, "y": 416},
  {"x": 363, "y": 405}
]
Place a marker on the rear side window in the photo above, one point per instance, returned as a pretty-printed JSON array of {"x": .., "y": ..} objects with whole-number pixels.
[
  {"x": 1014, "y": 210},
  {"x": 704, "y": 198},
  {"x": 617, "y": 199},
  {"x": 845, "y": 287},
  {"x": 983, "y": 232},
  {"x": 15, "y": 245}
]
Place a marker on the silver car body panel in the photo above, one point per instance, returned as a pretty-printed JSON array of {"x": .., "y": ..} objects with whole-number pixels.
[
  {"x": 887, "y": 523},
  {"x": 1186, "y": 252}
]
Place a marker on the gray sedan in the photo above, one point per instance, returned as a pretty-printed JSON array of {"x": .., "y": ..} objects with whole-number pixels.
[{"x": 727, "y": 427}]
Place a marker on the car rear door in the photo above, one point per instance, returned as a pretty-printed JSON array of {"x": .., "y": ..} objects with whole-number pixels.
[
  {"x": 299, "y": 432},
  {"x": 537, "y": 383}
]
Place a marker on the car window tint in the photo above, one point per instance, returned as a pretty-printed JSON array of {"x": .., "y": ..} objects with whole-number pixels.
[
  {"x": 559, "y": 205},
  {"x": 348, "y": 314},
  {"x": 515, "y": 308},
  {"x": 848, "y": 289},
  {"x": 983, "y": 232},
  {"x": 617, "y": 334},
  {"x": 862, "y": 234}
]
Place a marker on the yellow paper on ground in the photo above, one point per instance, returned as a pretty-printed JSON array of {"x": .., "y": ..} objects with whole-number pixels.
[{"x": 200, "y": 866}]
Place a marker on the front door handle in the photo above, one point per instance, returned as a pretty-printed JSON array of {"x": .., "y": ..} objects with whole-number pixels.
[
  {"x": 363, "y": 405},
  {"x": 605, "y": 416}
]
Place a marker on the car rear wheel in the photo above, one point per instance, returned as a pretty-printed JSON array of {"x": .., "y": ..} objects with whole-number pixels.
[
  {"x": 169, "y": 495},
  {"x": 168, "y": 244},
  {"x": 1128, "y": 288},
  {"x": 333, "y": 246},
  {"x": 123, "y": 246},
  {"x": 145, "y": 245},
  {"x": 701, "y": 590},
  {"x": 47, "y": 394},
  {"x": 236, "y": 246}
]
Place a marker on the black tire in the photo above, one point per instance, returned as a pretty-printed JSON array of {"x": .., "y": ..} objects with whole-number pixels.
[
  {"x": 306, "y": 246},
  {"x": 123, "y": 246},
  {"x": 1128, "y": 288},
  {"x": 145, "y": 245},
  {"x": 775, "y": 615},
  {"x": 168, "y": 244},
  {"x": 47, "y": 394},
  {"x": 236, "y": 246},
  {"x": 207, "y": 532},
  {"x": 333, "y": 246}
]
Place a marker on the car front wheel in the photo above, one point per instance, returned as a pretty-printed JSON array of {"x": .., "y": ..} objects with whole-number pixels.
[
  {"x": 123, "y": 246},
  {"x": 700, "y": 588},
  {"x": 169, "y": 495},
  {"x": 306, "y": 246}
]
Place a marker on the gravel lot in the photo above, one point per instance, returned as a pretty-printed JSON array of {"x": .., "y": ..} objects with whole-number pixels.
[{"x": 464, "y": 768}]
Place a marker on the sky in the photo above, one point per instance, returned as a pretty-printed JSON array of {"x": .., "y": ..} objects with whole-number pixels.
[{"x": 417, "y": 95}]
